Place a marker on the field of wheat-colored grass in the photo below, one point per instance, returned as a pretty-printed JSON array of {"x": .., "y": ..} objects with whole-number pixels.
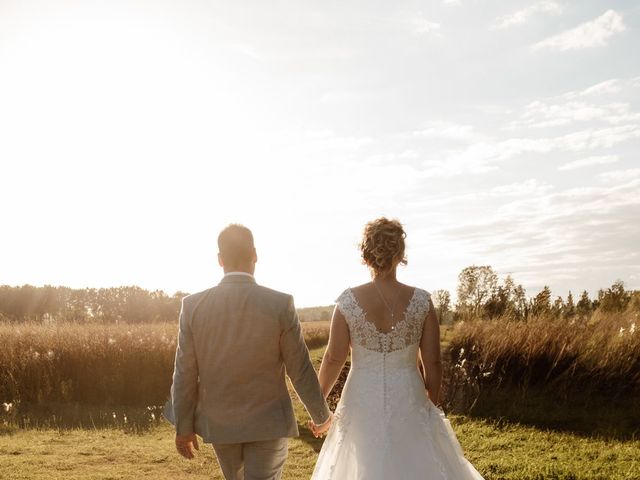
[
  {"x": 595, "y": 355},
  {"x": 559, "y": 401},
  {"x": 58, "y": 367},
  {"x": 500, "y": 450}
]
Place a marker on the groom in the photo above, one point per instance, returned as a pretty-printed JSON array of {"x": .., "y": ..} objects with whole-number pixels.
[{"x": 235, "y": 341}]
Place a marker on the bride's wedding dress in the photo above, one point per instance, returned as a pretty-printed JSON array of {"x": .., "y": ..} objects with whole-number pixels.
[{"x": 385, "y": 426}]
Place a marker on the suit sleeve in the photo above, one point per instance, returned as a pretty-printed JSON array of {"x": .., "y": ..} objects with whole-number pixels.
[
  {"x": 184, "y": 391},
  {"x": 299, "y": 367}
]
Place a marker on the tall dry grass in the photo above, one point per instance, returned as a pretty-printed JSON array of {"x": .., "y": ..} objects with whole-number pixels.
[
  {"x": 132, "y": 364},
  {"x": 88, "y": 373},
  {"x": 95, "y": 364},
  {"x": 89, "y": 364},
  {"x": 595, "y": 356}
]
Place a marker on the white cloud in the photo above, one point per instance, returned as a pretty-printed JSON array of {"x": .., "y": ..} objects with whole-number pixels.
[
  {"x": 423, "y": 26},
  {"x": 471, "y": 161},
  {"x": 612, "y": 86},
  {"x": 620, "y": 175},
  {"x": 450, "y": 131},
  {"x": 528, "y": 187},
  {"x": 484, "y": 155},
  {"x": 595, "y": 33},
  {"x": 248, "y": 50},
  {"x": 492, "y": 109},
  {"x": 590, "y": 161},
  {"x": 586, "y": 105},
  {"x": 606, "y": 87},
  {"x": 582, "y": 140},
  {"x": 594, "y": 138},
  {"x": 521, "y": 16},
  {"x": 540, "y": 114}
]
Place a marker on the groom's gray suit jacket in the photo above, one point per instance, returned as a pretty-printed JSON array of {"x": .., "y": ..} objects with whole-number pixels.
[{"x": 234, "y": 342}]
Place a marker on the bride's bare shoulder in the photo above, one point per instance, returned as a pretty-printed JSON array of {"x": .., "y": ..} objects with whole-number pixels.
[
  {"x": 409, "y": 289},
  {"x": 361, "y": 288}
]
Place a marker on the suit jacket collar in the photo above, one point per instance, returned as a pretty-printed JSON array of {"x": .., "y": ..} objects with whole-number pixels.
[{"x": 229, "y": 279}]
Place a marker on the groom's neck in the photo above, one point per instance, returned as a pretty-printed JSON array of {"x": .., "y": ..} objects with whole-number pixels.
[{"x": 240, "y": 268}]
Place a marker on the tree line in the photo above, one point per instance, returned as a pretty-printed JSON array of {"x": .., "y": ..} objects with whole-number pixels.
[
  {"x": 480, "y": 294},
  {"x": 128, "y": 304}
]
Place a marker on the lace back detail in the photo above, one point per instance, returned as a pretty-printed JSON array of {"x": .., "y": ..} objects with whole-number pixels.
[{"x": 406, "y": 332}]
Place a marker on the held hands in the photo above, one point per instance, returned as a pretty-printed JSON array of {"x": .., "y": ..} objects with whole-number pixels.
[
  {"x": 319, "y": 430},
  {"x": 184, "y": 444}
]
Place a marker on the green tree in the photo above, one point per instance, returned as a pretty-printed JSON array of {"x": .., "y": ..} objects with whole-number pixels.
[
  {"x": 499, "y": 302},
  {"x": 520, "y": 302},
  {"x": 569, "y": 307},
  {"x": 442, "y": 302},
  {"x": 541, "y": 303},
  {"x": 584, "y": 307},
  {"x": 558, "y": 306},
  {"x": 476, "y": 284},
  {"x": 507, "y": 299},
  {"x": 615, "y": 298}
]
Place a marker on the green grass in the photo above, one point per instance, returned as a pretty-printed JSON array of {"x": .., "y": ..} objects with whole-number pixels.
[{"x": 500, "y": 450}]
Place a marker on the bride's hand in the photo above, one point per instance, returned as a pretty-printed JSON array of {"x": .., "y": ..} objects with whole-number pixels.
[{"x": 319, "y": 430}]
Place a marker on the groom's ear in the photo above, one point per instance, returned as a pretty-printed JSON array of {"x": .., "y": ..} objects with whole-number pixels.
[
  {"x": 220, "y": 261},
  {"x": 255, "y": 255}
]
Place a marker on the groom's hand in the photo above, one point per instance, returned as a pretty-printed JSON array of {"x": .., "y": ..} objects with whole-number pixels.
[
  {"x": 319, "y": 430},
  {"x": 185, "y": 445}
]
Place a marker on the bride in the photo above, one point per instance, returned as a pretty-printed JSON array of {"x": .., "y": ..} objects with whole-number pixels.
[{"x": 387, "y": 424}]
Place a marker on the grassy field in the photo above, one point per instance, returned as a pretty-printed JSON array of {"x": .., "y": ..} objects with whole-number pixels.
[
  {"x": 584, "y": 356},
  {"x": 536, "y": 422},
  {"x": 509, "y": 451},
  {"x": 93, "y": 364},
  {"x": 500, "y": 450}
]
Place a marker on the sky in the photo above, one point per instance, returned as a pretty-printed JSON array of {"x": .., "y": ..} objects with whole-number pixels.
[{"x": 499, "y": 133}]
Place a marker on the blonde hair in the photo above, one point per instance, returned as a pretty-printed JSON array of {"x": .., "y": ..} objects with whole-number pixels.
[{"x": 382, "y": 245}]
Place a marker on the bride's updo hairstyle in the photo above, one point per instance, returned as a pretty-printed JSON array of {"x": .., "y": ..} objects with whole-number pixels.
[{"x": 382, "y": 245}]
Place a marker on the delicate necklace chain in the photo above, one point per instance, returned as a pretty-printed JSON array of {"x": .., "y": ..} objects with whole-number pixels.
[{"x": 392, "y": 308}]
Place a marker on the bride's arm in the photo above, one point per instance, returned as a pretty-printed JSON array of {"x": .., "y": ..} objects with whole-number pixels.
[
  {"x": 430, "y": 354},
  {"x": 336, "y": 353}
]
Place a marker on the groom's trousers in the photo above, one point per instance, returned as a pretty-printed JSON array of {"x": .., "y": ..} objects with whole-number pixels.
[{"x": 252, "y": 460}]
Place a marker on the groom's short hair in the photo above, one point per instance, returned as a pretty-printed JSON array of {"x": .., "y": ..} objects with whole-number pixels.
[{"x": 235, "y": 244}]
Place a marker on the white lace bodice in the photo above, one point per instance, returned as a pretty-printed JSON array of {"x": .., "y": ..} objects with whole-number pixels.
[{"x": 406, "y": 332}]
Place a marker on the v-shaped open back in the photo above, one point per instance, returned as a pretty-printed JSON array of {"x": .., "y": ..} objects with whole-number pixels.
[
  {"x": 403, "y": 317},
  {"x": 406, "y": 331}
]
